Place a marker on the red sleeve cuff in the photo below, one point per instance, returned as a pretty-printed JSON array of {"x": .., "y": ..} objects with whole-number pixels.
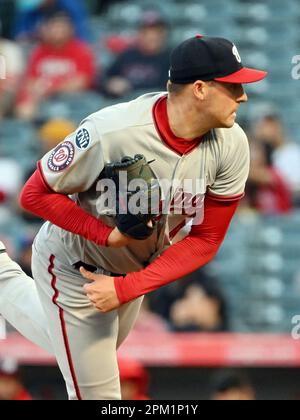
[{"x": 118, "y": 287}]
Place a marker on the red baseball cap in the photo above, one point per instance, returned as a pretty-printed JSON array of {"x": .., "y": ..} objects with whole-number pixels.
[{"x": 207, "y": 58}]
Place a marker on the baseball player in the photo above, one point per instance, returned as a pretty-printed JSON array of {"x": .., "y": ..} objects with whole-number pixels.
[{"x": 91, "y": 269}]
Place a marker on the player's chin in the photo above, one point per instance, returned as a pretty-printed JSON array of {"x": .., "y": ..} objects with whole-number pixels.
[{"x": 230, "y": 121}]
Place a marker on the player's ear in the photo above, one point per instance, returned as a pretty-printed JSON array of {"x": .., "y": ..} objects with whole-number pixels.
[{"x": 200, "y": 89}]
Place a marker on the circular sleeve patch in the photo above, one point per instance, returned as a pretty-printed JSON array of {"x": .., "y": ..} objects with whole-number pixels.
[{"x": 61, "y": 157}]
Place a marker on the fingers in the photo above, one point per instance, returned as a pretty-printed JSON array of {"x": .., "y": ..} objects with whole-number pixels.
[
  {"x": 87, "y": 288},
  {"x": 91, "y": 296},
  {"x": 89, "y": 291},
  {"x": 94, "y": 291},
  {"x": 87, "y": 274},
  {"x": 96, "y": 304}
]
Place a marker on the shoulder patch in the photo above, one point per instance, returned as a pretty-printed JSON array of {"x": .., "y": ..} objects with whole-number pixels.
[
  {"x": 83, "y": 139},
  {"x": 61, "y": 157}
]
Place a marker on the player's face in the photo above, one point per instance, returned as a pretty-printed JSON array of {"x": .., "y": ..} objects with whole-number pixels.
[{"x": 225, "y": 99}]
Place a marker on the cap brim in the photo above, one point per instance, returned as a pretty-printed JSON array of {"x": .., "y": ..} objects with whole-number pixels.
[{"x": 245, "y": 75}]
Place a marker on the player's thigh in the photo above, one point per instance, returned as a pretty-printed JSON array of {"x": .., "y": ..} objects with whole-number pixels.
[
  {"x": 128, "y": 314},
  {"x": 84, "y": 340}
]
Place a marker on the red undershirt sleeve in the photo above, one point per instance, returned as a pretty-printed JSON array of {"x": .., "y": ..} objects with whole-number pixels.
[
  {"x": 193, "y": 252},
  {"x": 38, "y": 198}
]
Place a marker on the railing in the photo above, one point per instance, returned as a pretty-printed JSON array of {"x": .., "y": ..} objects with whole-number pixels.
[{"x": 173, "y": 350}]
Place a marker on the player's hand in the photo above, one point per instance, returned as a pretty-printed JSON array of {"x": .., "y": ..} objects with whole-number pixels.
[
  {"x": 117, "y": 240},
  {"x": 101, "y": 291}
]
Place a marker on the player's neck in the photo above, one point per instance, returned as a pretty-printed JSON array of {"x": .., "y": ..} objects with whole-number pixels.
[{"x": 184, "y": 121}]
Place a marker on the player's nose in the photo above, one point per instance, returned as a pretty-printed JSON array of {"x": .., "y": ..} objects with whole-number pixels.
[{"x": 243, "y": 97}]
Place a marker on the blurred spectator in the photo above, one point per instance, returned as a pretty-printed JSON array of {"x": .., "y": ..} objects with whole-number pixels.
[
  {"x": 283, "y": 154},
  {"x": 50, "y": 135},
  {"x": 7, "y": 11},
  {"x": 25, "y": 255},
  {"x": 2, "y": 197},
  {"x": 103, "y": 5},
  {"x": 31, "y": 13},
  {"x": 201, "y": 308},
  {"x": 232, "y": 386},
  {"x": 11, "y": 387},
  {"x": 118, "y": 44},
  {"x": 266, "y": 191},
  {"x": 54, "y": 132},
  {"x": 144, "y": 66},
  {"x": 10, "y": 180},
  {"x": 59, "y": 64},
  {"x": 12, "y": 66},
  {"x": 295, "y": 397},
  {"x": 195, "y": 303},
  {"x": 149, "y": 321},
  {"x": 134, "y": 380}
]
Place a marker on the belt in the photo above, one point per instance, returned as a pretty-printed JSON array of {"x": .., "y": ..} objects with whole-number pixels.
[{"x": 93, "y": 269}]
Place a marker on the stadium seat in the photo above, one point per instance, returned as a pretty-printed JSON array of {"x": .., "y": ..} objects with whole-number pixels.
[
  {"x": 129, "y": 13},
  {"x": 17, "y": 138},
  {"x": 188, "y": 13},
  {"x": 217, "y": 8},
  {"x": 73, "y": 106},
  {"x": 266, "y": 11}
]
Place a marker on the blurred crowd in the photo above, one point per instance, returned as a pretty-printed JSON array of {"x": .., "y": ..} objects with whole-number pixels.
[
  {"x": 227, "y": 385},
  {"x": 48, "y": 53},
  {"x": 11, "y": 383}
]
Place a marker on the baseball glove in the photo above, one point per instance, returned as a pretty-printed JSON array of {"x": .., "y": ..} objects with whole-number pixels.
[{"x": 138, "y": 224}]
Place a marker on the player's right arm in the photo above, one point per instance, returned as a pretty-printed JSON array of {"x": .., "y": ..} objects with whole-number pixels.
[{"x": 72, "y": 167}]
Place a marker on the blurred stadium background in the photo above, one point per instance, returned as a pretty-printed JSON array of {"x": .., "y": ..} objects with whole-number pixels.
[{"x": 256, "y": 276}]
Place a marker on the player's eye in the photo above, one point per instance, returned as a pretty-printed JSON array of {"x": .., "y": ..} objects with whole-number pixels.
[{"x": 235, "y": 89}]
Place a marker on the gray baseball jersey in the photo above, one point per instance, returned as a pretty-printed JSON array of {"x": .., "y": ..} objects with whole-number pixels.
[
  {"x": 218, "y": 166},
  {"x": 56, "y": 312}
]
